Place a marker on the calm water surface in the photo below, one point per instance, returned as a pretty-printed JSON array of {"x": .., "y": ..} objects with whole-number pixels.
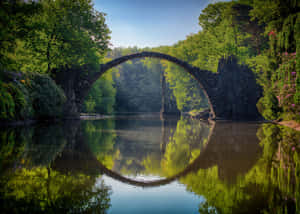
[{"x": 142, "y": 164}]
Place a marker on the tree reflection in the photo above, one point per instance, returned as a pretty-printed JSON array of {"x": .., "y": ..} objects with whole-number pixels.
[
  {"x": 57, "y": 168},
  {"x": 132, "y": 154},
  {"x": 42, "y": 189},
  {"x": 184, "y": 146},
  {"x": 101, "y": 137},
  {"x": 28, "y": 182},
  {"x": 270, "y": 186},
  {"x": 12, "y": 146}
]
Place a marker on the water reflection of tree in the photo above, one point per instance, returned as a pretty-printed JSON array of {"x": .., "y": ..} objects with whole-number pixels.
[
  {"x": 12, "y": 146},
  {"x": 28, "y": 183},
  {"x": 43, "y": 189},
  {"x": 270, "y": 186},
  {"x": 181, "y": 147},
  {"x": 184, "y": 146},
  {"x": 35, "y": 145},
  {"x": 101, "y": 137}
]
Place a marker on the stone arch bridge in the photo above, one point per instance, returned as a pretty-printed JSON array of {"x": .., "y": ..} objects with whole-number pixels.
[{"x": 232, "y": 92}]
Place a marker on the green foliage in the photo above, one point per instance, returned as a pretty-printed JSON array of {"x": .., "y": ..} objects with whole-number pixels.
[
  {"x": 16, "y": 103},
  {"x": 182, "y": 148},
  {"x": 34, "y": 96},
  {"x": 101, "y": 98},
  {"x": 101, "y": 138},
  {"x": 22, "y": 99},
  {"x": 189, "y": 96},
  {"x": 226, "y": 30},
  {"x": 285, "y": 85},
  {"x": 270, "y": 184},
  {"x": 212, "y": 15},
  {"x": 274, "y": 13},
  {"x": 12, "y": 28},
  {"x": 42, "y": 189},
  {"x": 13, "y": 143},
  {"x": 7, "y": 104},
  {"x": 43, "y": 36},
  {"x": 112, "y": 148},
  {"x": 279, "y": 75},
  {"x": 47, "y": 97},
  {"x": 268, "y": 106},
  {"x": 262, "y": 34},
  {"x": 240, "y": 28},
  {"x": 273, "y": 178},
  {"x": 46, "y": 35},
  {"x": 137, "y": 83},
  {"x": 65, "y": 33},
  {"x": 35, "y": 187}
]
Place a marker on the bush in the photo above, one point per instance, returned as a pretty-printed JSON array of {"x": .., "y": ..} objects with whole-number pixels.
[
  {"x": 7, "y": 104},
  {"x": 47, "y": 97},
  {"x": 268, "y": 106},
  {"x": 34, "y": 96},
  {"x": 22, "y": 100}
]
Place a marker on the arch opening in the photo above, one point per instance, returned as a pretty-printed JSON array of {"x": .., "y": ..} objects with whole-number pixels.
[{"x": 201, "y": 76}]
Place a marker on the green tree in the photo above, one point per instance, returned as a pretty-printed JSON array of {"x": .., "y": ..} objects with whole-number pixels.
[
  {"x": 189, "y": 96},
  {"x": 65, "y": 33},
  {"x": 280, "y": 78},
  {"x": 13, "y": 16},
  {"x": 137, "y": 83},
  {"x": 102, "y": 96}
]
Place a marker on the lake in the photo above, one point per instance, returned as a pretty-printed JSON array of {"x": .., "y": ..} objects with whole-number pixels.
[{"x": 144, "y": 164}]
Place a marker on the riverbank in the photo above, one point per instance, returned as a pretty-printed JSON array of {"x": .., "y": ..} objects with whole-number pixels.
[
  {"x": 292, "y": 124},
  {"x": 90, "y": 116}
]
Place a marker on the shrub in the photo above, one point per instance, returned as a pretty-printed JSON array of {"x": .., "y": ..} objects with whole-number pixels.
[
  {"x": 22, "y": 100},
  {"x": 268, "y": 106},
  {"x": 47, "y": 97},
  {"x": 7, "y": 104},
  {"x": 34, "y": 96}
]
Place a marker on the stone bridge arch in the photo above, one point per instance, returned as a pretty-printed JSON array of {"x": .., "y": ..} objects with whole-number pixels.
[
  {"x": 204, "y": 78},
  {"x": 232, "y": 92}
]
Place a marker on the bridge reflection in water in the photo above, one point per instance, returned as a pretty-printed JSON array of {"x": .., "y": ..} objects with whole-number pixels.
[
  {"x": 225, "y": 147},
  {"x": 224, "y": 162}
]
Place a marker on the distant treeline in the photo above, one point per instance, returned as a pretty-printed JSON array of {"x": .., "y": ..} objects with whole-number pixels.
[{"x": 44, "y": 36}]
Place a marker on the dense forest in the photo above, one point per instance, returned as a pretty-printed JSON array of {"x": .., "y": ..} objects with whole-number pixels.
[{"x": 265, "y": 35}]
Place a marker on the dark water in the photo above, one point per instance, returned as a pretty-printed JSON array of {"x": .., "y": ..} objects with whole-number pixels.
[{"x": 141, "y": 164}]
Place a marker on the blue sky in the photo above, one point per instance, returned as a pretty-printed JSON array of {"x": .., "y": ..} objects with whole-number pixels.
[{"x": 150, "y": 23}]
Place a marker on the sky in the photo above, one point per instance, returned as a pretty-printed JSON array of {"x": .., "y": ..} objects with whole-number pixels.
[{"x": 150, "y": 23}]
